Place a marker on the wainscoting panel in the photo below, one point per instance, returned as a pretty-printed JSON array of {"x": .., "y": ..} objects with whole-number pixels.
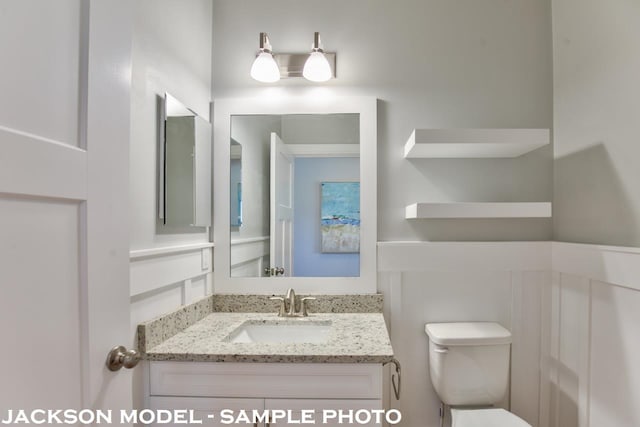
[
  {"x": 591, "y": 377},
  {"x": 615, "y": 355},
  {"x": 249, "y": 257},
  {"x": 163, "y": 279},
  {"x": 160, "y": 269},
  {"x": 573, "y": 310},
  {"x": 526, "y": 327},
  {"x": 459, "y": 281}
]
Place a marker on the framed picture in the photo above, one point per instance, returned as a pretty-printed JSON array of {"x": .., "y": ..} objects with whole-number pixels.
[{"x": 340, "y": 217}]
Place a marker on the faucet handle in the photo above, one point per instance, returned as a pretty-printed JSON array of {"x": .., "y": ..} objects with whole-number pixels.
[
  {"x": 282, "y": 311},
  {"x": 303, "y": 305}
]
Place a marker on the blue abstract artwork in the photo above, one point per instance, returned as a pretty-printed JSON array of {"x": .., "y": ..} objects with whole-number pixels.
[{"x": 340, "y": 213}]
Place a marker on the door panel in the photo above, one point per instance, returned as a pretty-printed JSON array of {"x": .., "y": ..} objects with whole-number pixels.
[
  {"x": 282, "y": 162},
  {"x": 64, "y": 143},
  {"x": 39, "y": 292},
  {"x": 39, "y": 42}
]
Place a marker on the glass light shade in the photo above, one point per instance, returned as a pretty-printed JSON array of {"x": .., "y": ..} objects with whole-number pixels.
[
  {"x": 265, "y": 69},
  {"x": 317, "y": 68}
]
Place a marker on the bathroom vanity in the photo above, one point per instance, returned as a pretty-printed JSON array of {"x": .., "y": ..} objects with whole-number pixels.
[
  {"x": 329, "y": 363},
  {"x": 210, "y": 388},
  {"x": 235, "y": 353}
]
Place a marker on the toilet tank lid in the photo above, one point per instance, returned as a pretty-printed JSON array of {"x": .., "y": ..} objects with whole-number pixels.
[{"x": 468, "y": 333}]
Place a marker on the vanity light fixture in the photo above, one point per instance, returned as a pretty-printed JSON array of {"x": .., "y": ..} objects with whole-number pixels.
[
  {"x": 269, "y": 67},
  {"x": 317, "y": 68},
  {"x": 264, "y": 68}
]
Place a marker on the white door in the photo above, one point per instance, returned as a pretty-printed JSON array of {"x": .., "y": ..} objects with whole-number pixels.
[
  {"x": 281, "y": 206},
  {"x": 64, "y": 135}
]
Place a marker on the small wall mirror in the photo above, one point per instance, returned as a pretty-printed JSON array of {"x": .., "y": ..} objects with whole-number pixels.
[
  {"x": 301, "y": 181},
  {"x": 184, "y": 198}
]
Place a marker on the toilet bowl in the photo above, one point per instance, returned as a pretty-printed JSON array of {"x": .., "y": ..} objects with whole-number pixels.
[
  {"x": 493, "y": 417},
  {"x": 469, "y": 369}
]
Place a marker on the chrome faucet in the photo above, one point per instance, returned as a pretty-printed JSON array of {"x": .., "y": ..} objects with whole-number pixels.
[{"x": 290, "y": 298}]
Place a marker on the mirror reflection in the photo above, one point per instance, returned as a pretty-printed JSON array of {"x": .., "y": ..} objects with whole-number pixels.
[
  {"x": 295, "y": 195},
  {"x": 185, "y": 167},
  {"x": 235, "y": 203}
]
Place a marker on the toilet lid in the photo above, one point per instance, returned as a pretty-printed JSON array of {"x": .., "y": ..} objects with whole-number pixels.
[{"x": 493, "y": 417}]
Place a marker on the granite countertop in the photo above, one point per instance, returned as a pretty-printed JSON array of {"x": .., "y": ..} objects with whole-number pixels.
[{"x": 352, "y": 338}]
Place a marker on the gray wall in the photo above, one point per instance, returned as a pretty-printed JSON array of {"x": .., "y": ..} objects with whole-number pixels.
[
  {"x": 597, "y": 131},
  {"x": 321, "y": 129},
  {"x": 171, "y": 52},
  {"x": 431, "y": 63}
]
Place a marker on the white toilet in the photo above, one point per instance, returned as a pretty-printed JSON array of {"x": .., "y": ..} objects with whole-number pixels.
[{"x": 469, "y": 367}]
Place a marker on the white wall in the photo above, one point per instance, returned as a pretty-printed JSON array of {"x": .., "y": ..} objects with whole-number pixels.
[
  {"x": 596, "y": 104},
  {"x": 171, "y": 53},
  {"x": 432, "y": 64}
]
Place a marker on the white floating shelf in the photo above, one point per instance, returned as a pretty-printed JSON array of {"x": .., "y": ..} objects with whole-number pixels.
[
  {"x": 474, "y": 143},
  {"x": 479, "y": 210}
]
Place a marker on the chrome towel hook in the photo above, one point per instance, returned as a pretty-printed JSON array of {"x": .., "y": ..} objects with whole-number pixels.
[{"x": 396, "y": 386}]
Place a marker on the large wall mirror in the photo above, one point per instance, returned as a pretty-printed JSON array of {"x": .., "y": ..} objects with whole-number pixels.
[
  {"x": 298, "y": 181},
  {"x": 184, "y": 187}
]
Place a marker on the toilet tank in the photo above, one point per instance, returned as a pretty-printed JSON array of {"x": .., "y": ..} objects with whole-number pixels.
[{"x": 469, "y": 362}]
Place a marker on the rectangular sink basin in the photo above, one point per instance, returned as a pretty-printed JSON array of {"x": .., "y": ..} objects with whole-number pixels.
[{"x": 285, "y": 332}]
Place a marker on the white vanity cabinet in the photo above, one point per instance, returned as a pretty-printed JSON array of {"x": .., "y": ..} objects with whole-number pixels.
[
  {"x": 208, "y": 388},
  {"x": 205, "y": 409}
]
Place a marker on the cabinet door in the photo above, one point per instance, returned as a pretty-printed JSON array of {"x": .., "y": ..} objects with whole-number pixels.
[
  {"x": 326, "y": 412},
  {"x": 208, "y": 409},
  {"x": 266, "y": 380}
]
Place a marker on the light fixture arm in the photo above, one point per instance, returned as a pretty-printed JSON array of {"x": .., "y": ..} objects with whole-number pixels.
[
  {"x": 265, "y": 43},
  {"x": 317, "y": 44}
]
